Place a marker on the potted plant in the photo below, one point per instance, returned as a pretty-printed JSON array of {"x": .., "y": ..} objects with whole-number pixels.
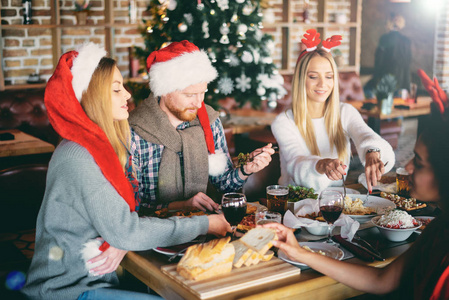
[
  {"x": 384, "y": 90},
  {"x": 82, "y": 8},
  {"x": 338, "y": 57}
]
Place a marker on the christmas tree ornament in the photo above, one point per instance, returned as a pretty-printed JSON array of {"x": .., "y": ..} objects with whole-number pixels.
[
  {"x": 260, "y": 25},
  {"x": 247, "y": 9},
  {"x": 272, "y": 97},
  {"x": 182, "y": 27},
  {"x": 212, "y": 1},
  {"x": 239, "y": 44},
  {"x": 224, "y": 30},
  {"x": 223, "y": 4},
  {"x": 227, "y": 60},
  {"x": 243, "y": 83},
  {"x": 226, "y": 85},
  {"x": 212, "y": 11},
  {"x": 240, "y": 1},
  {"x": 247, "y": 57},
  {"x": 200, "y": 6},
  {"x": 267, "y": 60},
  {"x": 234, "y": 61},
  {"x": 172, "y": 4},
  {"x": 256, "y": 54},
  {"x": 272, "y": 104},
  {"x": 234, "y": 18},
  {"x": 188, "y": 18},
  {"x": 149, "y": 29},
  {"x": 213, "y": 57},
  {"x": 205, "y": 28},
  {"x": 260, "y": 91}
]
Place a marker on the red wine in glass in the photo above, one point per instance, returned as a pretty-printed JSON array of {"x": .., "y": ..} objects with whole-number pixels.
[
  {"x": 233, "y": 206},
  {"x": 331, "y": 206},
  {"x": 331, "y": 212},
  {"x": 233, "y": 214}
]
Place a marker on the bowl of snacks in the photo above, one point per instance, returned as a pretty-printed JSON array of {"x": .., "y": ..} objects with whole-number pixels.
[
  {"x": 319, "y": 229},
  {"x": 297, "y": 193},
  {"x": 396, "y": 225}
]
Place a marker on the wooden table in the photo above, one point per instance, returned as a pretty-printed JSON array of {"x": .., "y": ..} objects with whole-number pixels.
[
  {"x": 23, "y": 144},
  {"x": 420, "y": 109},
  {"x": 309, "y": 284}
]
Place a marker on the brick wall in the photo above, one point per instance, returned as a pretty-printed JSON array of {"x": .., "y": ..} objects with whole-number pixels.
[
  {"x": 29, "y": 50},
  {"x": 441, "y": 61},
  {"x": 296, "y": 32}
]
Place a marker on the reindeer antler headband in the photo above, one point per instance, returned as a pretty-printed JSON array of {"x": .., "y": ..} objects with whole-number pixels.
[
  {"x": 435, "y": 91},
  {"x": 312, "y": 40}
]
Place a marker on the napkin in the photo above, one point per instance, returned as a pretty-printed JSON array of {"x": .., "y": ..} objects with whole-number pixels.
[
  {"x": 348, "y": 225},
  {"x": 383, "y": 187}
]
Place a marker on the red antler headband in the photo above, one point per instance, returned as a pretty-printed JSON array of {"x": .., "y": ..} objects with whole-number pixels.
[
  {"x": 312, "y": 40},
  {"x": 437, "y": 94}
]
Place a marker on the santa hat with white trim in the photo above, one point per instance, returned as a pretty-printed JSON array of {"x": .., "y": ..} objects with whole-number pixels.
[
  {"x": 84, "y": 65},
  {"x": 176, "y": 67}
]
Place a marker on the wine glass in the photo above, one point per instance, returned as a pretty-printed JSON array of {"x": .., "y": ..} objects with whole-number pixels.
[
  {"x": 331, "y": 206},
  {"x": 233, "y": 206}
]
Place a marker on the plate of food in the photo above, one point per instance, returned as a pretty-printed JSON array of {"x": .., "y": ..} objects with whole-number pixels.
[
  {"x": 425, "y": 220},
  {"x": 362, "y": 212},
  {"x": 320, "y": 248},
  {"x": 408, "y": 204}
]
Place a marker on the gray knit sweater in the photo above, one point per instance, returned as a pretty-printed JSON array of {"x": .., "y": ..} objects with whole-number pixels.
[{"x": 79, "y": 205}]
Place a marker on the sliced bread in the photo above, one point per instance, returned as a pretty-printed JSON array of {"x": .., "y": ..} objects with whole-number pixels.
[
  {"x": 259, "y": 239},
  {"x": 242, "y": 253},
  {"x": 203, "y": 261}
]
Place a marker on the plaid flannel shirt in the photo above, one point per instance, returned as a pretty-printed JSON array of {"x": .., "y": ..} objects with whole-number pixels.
[{"x": 147, "y": 159}]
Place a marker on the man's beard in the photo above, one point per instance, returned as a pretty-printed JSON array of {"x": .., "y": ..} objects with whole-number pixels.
[{"x": 182, "y": 114}]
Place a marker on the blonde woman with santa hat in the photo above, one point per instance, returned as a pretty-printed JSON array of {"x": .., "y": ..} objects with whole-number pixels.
[
  {"x": 178, "y": 143},
  {"x": 87, "y": 220}
]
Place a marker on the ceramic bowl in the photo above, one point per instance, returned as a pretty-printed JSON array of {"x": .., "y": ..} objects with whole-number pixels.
[
  {"x": 395, "y": 235},
  {"x": 318, "y": 230}
]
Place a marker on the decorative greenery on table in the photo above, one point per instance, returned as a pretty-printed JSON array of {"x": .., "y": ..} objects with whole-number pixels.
[
  {"x": 230, "y": 32},
  {"x": 386, "y": 86},
  {"x": 297, "y": 193}
]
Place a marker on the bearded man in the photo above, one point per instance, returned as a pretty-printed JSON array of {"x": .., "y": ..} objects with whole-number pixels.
[{"x": 178, "y": 144}]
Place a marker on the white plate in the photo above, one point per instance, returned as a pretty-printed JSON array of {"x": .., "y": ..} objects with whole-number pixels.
[
  {"x": 341, "y": 190},
  {"x": 166, "y": 251},
  {"x": 330, "y": 250},
  {"x": 379, "y": 204}
]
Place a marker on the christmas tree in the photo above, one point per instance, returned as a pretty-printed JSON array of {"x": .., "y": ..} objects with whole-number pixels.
[{"x": 230, "y": 32}]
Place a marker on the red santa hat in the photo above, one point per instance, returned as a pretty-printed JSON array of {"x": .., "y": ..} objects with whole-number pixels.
[
  {"x": 176, "y": 67},
  {"x": 71, "y": 122}
]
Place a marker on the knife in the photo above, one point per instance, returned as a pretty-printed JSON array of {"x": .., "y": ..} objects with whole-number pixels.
[
  {"x": 375, "y": 254},
  {"x": 365, "y": 244},
  {"x": 358, "y": 250}
]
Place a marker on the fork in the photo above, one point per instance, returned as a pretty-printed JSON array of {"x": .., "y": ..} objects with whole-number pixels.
[
  {"x": 344, "y": 187},
  {"x": 367, "y": 193}
]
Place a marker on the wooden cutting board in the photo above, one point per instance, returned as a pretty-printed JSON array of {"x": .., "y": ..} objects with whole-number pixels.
[{"x": 238, "y": 279}]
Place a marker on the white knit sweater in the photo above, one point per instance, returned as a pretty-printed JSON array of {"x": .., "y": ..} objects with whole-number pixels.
[{"x": 298, "y": 164}]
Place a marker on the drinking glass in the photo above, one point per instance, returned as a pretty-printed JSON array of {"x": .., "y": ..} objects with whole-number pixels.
[
  {"x": 331, "y": 206},
  {"x": 264, "y": 217},
  {"x": 233, "y": 206},
  {"x": 277, "y": 198}
]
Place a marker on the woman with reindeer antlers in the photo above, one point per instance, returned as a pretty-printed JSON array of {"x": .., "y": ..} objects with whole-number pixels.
[{"x": 314, "y": 135}]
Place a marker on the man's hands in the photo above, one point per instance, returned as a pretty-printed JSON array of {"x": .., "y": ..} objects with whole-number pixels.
[
  {"x": 198, "y": 202},
  {"x": 374, "y": 168},
  {"x": 218, "y": 225},
  {"x": 113, "y": 258},
  {"x": 334, "y": 169},
  {"x": 260, "y": 159}
]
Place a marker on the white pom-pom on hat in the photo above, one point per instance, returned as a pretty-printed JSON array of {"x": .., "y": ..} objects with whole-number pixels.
[
  {"x": 90, "y": 250},
  {"x": 217, "y": 163},
  {"x": 84, "y": 65}
]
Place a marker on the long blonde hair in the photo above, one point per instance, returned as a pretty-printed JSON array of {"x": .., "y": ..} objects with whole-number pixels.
[
  {"x": 97, "y": 103},
  {"x": 337, "y": 137}
]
